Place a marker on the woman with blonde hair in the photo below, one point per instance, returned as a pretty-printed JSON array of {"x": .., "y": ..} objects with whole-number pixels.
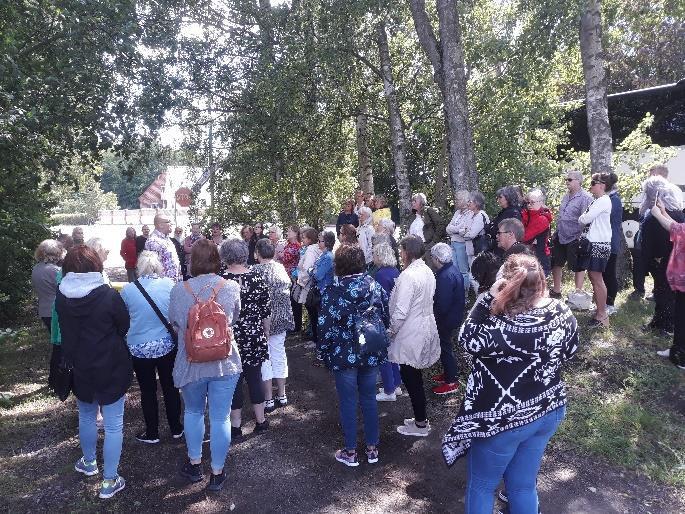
[{"x": 515, "y": 398}]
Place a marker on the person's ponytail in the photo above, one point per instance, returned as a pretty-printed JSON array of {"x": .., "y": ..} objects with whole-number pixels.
[{"x": 523, "y": 285}]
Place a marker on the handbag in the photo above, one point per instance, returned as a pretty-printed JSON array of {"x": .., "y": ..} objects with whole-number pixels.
[
  {"x": 372, "y": 337},
  {"x": 482, "y": 242},
  {"x": 161, "y": 316},
  {"x": 313, "y": 299},
  {"x": 63, "y": 379}
]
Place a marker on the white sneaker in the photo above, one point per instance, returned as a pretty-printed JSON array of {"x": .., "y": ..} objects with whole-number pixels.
[
  {"x": 664, "y": 353},
  {"x": 398, "y": 391},
  {"x": 383, "y": 397},
  {"x": 410, "y": 421},
  {"x": 611, "y": 309},
  {"x": 413, "y": 430}
]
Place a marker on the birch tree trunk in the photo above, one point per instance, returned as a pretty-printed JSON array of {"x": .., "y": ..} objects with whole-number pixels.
[
  {"x": 397, "y": 138},
  {"x": 447, "y": 58},
  {"x": 440, "y": 191},
  {"x": 363, "y": 153},
  {"x": 594, "y": 70}
]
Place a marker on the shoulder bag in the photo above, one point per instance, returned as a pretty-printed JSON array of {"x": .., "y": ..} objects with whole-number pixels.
[{"x": 161, "y": 316}]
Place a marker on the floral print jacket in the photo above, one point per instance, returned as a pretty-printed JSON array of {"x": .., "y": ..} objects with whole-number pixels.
[{"x": 341, "y": 304}]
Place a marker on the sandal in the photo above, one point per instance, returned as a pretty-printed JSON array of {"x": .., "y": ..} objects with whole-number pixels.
[{"x": 596, "y": 323}]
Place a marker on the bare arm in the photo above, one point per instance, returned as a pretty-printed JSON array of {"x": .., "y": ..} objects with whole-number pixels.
[{"x": 659, "y": 212}]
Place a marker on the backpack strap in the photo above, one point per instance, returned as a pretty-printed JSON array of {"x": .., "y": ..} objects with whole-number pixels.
[
  {"x": 217, "y": 287},
  {"x": 161, "y": 316}
]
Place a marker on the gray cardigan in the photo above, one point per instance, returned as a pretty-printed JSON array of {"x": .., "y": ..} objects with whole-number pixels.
[
  {"x": 44, "y": 283},
  {"x": 179, "y": 305}
]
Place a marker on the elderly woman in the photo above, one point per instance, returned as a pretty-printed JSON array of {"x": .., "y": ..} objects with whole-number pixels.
[
  {"x": 96, "y": 244},
  {"x": 249, "y": 331},
  {"x": 93, "y": 322},
  {"x": 152, "y": 345},
  {"x": 536, "y": 219},
  {"x": 279, "y": 322},
  {"x": 510, "y": 207},
  {"x": 129, "y": 254},
  {"x": 210, "y": 383},
  {"x": 656, "y": 248},
  {"x": 475, "y": 234},
  {"x": 290, "y": 258},
  {"x": 415, "y": 344},
  {"x": 448, "y": 309},
  {"x": 387, "y": 226},
  {"x": 48, "y": 255},
  {"x": 456, "y": 229},
  {"x": 365, "y": 232},
  {"x": 597, "y": 233},
  {"x": 352, "y": 293},
  {"x": 323, "y": 267},
  {"x": 386, "y": 273},
  {"x": 275, "y": 236},
  {"x": 347, "y": 216},
  {"x": 675, "y": 275},
  {"x": 515, "y": 398},
  {"x": 310, "y": 244},
  {"x": 428, "y": 224}
]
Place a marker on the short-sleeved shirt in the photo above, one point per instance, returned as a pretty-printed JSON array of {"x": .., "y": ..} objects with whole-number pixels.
[
  {"x": 572, "y": 206},
  {"x": 164, "y": 247}
]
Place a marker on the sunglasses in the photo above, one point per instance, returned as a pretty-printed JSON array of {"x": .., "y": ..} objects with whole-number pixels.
[
  {"x": 595, "y": 182},
  {"x": 570, "y": 179}
]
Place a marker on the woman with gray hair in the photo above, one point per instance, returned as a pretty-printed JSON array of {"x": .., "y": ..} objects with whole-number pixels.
[
  {"x": 387, "y": 226},
  {"x": 461, "y": 221},
  {"x": 510, "y": 207},
  {"x": 448, "y": 309},
  {"x": 656, "y": 247},
  {"x": 48, "y": 255},
  {"x": 152, "y": 346},
  {"x": 365, "y": 233},
  {"x": 250, "y": 331},
  {"x": 275, "y": 235}
]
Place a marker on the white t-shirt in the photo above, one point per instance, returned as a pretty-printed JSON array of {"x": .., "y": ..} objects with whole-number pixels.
[
  {"x": 416, "y": 227},
  {"x": 598, "y": 216}
]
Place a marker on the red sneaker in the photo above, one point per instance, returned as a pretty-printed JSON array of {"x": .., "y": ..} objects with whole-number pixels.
[
  {"x": 440, "y": 379},
  {"x": 446, "y": 388}
]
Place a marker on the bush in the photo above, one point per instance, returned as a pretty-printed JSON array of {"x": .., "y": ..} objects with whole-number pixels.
[{"x": 72, "y": 218}]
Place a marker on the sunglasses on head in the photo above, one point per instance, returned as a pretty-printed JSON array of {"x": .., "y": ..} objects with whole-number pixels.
[{"x": 595, "y": 182}]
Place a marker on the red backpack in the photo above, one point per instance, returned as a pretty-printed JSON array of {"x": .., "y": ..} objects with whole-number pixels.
[{"x": 209, "y": 336}]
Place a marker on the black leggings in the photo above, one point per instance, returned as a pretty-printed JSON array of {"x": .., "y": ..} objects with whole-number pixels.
[
  {"x": 313, "y": 315},
  {"x": 609, "y": 276},
  {"x": 253, "y": 376},
  {"x": 413, "y": 381},
  {"x": 297, "y": 314}
]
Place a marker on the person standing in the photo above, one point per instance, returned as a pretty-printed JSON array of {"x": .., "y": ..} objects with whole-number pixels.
[
  {"x": 279, "y": 322},
  {"x": 616, "y": 219},
  {"x": 352, "y": 293},
  {"x": 365, "y": 232},
  {"x": 205, "y": 384},
  {"x": 598, "y": 219},
  {"x": 290, "y": 258},
  {"x": 509, "y": 200},
  {"x": 382, "y": 211},
  {"x": 565, "y": 240},
  {"x": 346, "y": 217},
  {"x": 152, "y": 346},
  {"x": 141, "y": 239},
  {"x": 456, "y": 229},
  {"x": 178, "y": 244},
  {"x": 160, "y": 243},
  {"x": 305, "y": 278},
  {"x": 217, "y": 235},
  {"x": 129, "y": 254},
  {"x": 194, "y": 236},
  {"x": 275, "y": 235},
  {"x": 93, "y": 322},
  {"x": 448, "y": 309},
  {"x": 414, "y": 341},
  {"x": 44, "y": 277},
  {"x": 515, "y": 398},
  {"x": 536, "y": 219},
  {"x": 77, "y": 236}
]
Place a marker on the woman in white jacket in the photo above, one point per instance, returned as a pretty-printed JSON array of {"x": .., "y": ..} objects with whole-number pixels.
[
  {"x": 413, "y": 333},
  {"x": 595, "y": 255},
  {"x": 364, "y": 234},
  {"x": 461, "y": 221},
  {"x": 305, "y": 276}
]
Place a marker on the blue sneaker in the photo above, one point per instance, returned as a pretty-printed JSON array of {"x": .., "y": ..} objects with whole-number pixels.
[
  {"x": 87, "y": 468},
  {"x": 111, "y": 487}
]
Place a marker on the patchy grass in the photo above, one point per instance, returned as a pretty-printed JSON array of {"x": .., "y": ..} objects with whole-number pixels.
[{"x": 626, "y": 404}]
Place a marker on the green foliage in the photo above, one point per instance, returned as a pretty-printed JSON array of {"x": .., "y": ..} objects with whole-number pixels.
[{"x": 86, "y": 198}]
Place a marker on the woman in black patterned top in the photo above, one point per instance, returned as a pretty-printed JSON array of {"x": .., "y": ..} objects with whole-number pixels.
[
  {"x": 515, "y": 398},
  {"x": 249, "y": 331}
]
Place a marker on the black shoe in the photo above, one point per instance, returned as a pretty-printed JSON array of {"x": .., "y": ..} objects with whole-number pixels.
[
  {"x": 216, "y": 482},
  {"x": 554, "y": 294},
  {"x": 192, "y": 472},
  {"x": 236, "y": 432},
  {"x": 144, "y": 437},
  {"x": 262, "y": 427},
  {"x": 269, "y": 406}
]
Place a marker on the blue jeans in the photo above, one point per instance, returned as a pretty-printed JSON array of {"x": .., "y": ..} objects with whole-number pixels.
[
  {"x": 113, "y": 418},
  {"x": 390, "y": 374},
  {"x": 461, "y": 261},
  {"x": 516, "y": 454},
  {"x": 218, "y": 393},
  {"x": 351, "y": 384}
]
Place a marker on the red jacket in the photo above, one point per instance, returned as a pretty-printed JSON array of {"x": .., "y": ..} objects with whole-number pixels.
[
  {"x": 536, "y": 223},
  {"x": 128, "y": 252}
]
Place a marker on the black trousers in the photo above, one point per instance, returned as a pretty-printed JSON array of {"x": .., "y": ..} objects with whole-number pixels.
[
  {"x": 609, "y": 276},
  {"x": 638, "y": 271},
  {"x": 253, "y": 376},
  {"x": 297, "y": 314},
  {"x": 664, "y": 298},
  {"x": 313, "y": 315},
  {"x": 678, "y": 349},
  {"x": 413, "y": 381},
  {"x": 147, "y": 380}
]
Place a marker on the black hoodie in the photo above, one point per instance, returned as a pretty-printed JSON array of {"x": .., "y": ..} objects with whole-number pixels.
[{"x": 94, "y": 321}]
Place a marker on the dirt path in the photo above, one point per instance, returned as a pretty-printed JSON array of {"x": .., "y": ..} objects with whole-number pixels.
[{"x": 291, "y": 468}]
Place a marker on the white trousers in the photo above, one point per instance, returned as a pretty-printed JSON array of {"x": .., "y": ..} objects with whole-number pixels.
[{"x": 277, "y": 365}]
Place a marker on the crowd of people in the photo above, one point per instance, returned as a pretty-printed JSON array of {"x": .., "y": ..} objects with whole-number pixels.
[{"x": 204, "y": 314}]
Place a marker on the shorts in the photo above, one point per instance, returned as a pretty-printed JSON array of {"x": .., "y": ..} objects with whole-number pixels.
[
  {"x": 565, "y": 253},
  {"x": 597, "y": 259}
]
